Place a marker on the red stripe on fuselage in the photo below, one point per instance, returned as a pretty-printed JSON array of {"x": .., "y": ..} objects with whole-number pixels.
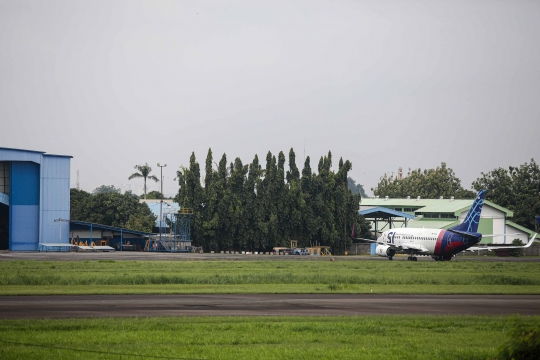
[{"x": 438, "y": 244}]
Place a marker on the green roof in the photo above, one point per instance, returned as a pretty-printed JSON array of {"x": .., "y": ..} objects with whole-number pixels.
[
  {"x": 455, "y": 207},
  {"x": 432, "y": 224},
  {"x": 397, "y": 202},
  {"x": 519, "y": 227},
  {"x": 431, "y": 205}
]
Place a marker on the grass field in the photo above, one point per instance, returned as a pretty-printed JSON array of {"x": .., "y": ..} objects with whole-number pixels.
[
  {"x": 176, "y": 277},
  {"x": 368, "y": 337}
]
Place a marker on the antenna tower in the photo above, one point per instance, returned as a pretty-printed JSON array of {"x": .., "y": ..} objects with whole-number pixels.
[{"x": 78, "y": 185}]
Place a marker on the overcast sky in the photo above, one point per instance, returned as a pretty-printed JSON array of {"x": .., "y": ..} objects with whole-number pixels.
[{"x": 381, "y": 83}]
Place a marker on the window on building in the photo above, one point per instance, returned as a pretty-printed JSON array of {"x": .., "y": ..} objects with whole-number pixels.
[{"x": 4, "y": 177}]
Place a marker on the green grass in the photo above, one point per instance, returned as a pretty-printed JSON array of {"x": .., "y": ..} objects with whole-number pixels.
[
  {"x": 368, "y": 337},
  {"x": 130, "y": 277}
]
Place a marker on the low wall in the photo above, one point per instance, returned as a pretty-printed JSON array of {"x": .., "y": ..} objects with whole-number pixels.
[{"x": 359, "y": 249}]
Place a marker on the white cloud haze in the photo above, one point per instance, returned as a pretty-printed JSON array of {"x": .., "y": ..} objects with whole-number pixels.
[{"x": 383, "y": 84}]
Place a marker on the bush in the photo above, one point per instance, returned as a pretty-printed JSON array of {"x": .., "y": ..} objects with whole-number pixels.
[
  {"x": 524, "y": 343},
  {"x": 516, "y": 252}
]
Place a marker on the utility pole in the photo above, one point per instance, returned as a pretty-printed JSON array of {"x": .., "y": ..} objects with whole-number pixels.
[{"x": 161, "y": 202}]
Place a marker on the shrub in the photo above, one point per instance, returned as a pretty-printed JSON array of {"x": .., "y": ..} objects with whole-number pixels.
[
  {"x": 516, "y": 252},
  {"x": 524, "y": 343}
]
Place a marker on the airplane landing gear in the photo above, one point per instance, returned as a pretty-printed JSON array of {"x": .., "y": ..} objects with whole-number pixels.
[
  {"x": 389, "y": 257},
  {"x": 412, "y": 258}
]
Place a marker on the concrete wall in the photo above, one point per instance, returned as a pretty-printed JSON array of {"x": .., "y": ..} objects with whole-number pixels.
[
  {"x": 359, "y": 249},
  {"x": 533, "y": 250},
  {"x": 521, "y": 235}
]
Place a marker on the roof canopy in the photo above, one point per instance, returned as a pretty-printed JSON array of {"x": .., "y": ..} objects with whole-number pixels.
[
  {"x": 383, "y": 213},
  {"x": 111, "y": 228}
]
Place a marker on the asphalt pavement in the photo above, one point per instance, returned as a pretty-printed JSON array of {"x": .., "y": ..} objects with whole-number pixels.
[
  {"x": 157, "y": 256},
  {"x": 90, "y": 306}
]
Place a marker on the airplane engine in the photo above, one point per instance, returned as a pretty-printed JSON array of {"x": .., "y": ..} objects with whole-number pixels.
[{"x": 385, "y": 250}]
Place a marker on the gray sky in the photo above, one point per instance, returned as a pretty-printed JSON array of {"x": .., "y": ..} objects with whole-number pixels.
[{"x": 381, "y": 83}]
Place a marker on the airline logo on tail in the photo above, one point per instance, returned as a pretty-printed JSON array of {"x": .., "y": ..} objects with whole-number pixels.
[{"x": 470, "y": 224}]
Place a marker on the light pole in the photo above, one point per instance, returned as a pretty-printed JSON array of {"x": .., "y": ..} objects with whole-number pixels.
[{"x": 161, "y": 202}]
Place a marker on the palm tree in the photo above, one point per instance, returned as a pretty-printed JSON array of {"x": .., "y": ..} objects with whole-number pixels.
[{"x": 144, "y": 172}]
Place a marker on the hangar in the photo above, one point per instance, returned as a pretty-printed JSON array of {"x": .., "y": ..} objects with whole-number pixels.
[
  {"x": 447, "y": 213},
  {"x": 34, "y": 192}
]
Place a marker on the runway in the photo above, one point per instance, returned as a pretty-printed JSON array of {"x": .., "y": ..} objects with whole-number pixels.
[
  {"x": 84, "y": 306},
  {"x": 164, "y": 256}
]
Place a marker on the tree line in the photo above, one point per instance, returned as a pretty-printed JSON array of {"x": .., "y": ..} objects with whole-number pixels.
[
  {"x": 107, "y": 206},
  {"x": 250, "y": 207},
  {"x": 429, "y": 184},
  {"x": 241, "y": 206},
  {"x": 515, "y": 188}
]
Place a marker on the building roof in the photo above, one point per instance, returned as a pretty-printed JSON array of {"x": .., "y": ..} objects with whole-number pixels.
[
  {"x": 34, "y": 151},
  {"x": 14, "y": 149},
  {"x": 432, "y": 205},
  {"x": 384, "y": 213},
  {"x": 455, "y": 207}
]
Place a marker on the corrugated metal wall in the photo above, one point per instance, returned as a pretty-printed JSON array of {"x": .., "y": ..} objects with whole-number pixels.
[
  {"x": 39, "y": 194},
  {"x": 24, "y": 206},
  {"x": 55, "y": 174}
]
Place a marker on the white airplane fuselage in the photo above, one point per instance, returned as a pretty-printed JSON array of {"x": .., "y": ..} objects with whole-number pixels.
[{"x": 440, "y": 244}]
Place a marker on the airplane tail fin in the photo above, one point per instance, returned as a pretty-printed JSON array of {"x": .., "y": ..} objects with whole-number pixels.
[{"x": 473, "y": 216}]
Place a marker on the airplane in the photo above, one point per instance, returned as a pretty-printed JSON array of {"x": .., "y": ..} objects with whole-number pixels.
[{"x": 442, "y": 245}]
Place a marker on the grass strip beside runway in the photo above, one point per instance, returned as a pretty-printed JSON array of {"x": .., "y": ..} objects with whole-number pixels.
[
  {"x": 177, "y": 277},
  {"x": 368, "y": 337},
  {"x": 12, "y": 290}
]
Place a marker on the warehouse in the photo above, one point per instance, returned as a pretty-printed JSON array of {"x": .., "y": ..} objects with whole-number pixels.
[
  {"x": 34, "y": 192},
  {"x": 447, "y": 213}
]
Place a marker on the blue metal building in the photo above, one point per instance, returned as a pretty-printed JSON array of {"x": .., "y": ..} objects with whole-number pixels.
[{"x": 34, "y": 191}]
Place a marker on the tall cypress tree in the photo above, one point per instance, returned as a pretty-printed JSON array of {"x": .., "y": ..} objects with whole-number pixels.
[
  {"x": 293, "y": 174},
  {"x": 254, "y": 238},
  {"x": 243, "y": 207},
  {"x": 210, "y": 214}
]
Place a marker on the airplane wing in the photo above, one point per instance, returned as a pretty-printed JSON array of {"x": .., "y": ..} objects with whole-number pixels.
[
  {"x": 476, "y": 248},
  {"x": 416, "y": 247},
  {"x": 462, "y": 233},
  {"x": 496, "y": 235},
  {"x": 370, "y": 240}
]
